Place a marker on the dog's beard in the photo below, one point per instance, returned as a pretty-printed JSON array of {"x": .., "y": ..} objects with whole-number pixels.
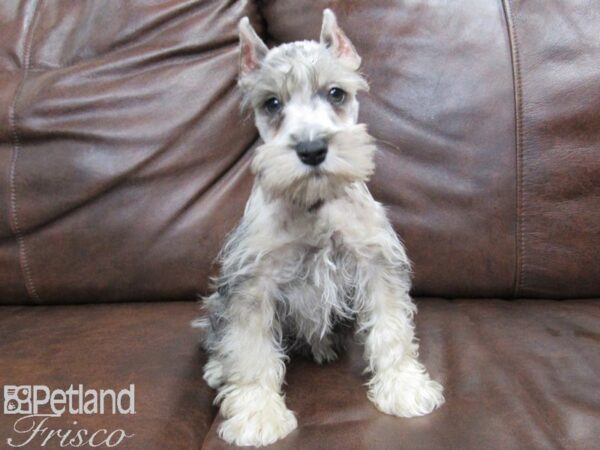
[{"x": 349, "y": 159}]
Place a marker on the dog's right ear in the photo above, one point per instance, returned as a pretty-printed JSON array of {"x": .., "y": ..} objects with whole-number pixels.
[{"x": 252, "y": 48}]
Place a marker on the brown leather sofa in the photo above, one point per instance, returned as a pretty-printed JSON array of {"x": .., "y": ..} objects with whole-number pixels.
[{"x": 124, "y": 162}]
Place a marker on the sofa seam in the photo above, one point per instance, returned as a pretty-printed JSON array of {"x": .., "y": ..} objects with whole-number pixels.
[
  {"x": 15, "y": 224},
  {"x": 518, "y": 99}
]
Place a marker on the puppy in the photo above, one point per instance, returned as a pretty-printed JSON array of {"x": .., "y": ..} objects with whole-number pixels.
[{"x": 313, "y": 251}]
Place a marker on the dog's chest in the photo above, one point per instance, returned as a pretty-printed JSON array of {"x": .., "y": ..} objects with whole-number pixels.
[{"x": 316, "y": 279}]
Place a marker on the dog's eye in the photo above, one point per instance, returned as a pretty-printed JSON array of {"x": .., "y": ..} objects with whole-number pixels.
[
  {"x": 336, "y": 96},
  {"x": 272, "y": 105}
]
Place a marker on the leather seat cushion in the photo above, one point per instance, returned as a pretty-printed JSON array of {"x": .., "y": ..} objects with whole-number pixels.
[
  {"x": 517, "y": 374},
  {"x": 521, "y": 374},
  {"x": 106, "y": 346}
]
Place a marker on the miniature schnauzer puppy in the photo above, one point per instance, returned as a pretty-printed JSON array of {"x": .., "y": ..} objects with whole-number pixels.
[{"x": 313, "y": 250}]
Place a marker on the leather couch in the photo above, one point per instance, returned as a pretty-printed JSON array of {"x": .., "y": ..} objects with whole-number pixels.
[{"x": 124, "y": 162}]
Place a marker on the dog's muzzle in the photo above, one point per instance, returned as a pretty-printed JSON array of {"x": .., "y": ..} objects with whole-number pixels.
[{"x": 312, "y": 152}]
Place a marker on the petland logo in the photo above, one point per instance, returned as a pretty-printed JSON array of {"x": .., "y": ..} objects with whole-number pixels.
[{"x": 39, "y": 406}]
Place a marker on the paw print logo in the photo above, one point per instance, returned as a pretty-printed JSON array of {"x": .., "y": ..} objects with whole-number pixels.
[
  {"x": 17, "y": 399},
  {"x": 11, "y": 405}
]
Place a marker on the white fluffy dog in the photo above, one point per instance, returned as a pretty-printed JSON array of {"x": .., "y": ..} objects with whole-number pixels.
[{"x": 313, "y": 252}]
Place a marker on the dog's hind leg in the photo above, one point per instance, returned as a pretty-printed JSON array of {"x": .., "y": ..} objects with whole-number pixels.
[
  {"x": 213, "y": 372},
  {"x": 323, "y": 349}
]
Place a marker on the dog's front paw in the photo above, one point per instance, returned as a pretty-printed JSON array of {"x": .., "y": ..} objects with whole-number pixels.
[
  {"x": 405, "y": 393},
  {"x": 255, "y": 418}
]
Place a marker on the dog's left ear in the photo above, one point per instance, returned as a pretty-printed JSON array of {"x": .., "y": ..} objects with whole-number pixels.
[{"x": 336, "y": 41}]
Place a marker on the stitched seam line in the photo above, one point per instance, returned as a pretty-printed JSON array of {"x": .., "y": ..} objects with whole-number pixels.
[
  {"x": 14, "y": 216},
  {"x": 518, "y": 92}
]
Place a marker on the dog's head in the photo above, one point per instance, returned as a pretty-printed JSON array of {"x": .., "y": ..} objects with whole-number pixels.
[{"x": 304, "y": 99}]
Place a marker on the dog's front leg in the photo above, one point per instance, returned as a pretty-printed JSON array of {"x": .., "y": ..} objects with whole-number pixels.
[
  {"x": 400, "y": 384},
  {"x": 253, "y": 368}
]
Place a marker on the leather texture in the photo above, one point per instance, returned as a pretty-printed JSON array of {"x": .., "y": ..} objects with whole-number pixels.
[
  {"x": 487, "y": 119},
  {"x": 104, "y": 346},
  {"x": 126, "y": 160},
  {"x": 121, "y": 139},
  {"x": 442, "y": 108},
  {"x": 518, "y": 374},
  {"x": 557, "y": 76}
]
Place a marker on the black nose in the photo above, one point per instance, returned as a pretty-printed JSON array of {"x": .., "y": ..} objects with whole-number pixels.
[{"x": 313, "y": 152}]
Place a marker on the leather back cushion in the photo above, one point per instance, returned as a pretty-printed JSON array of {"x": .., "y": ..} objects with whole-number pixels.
[
  {"x": 125, "y": 160},
  {"x": 118, "y": 177},
  {"x": 488, "y": 115}
]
